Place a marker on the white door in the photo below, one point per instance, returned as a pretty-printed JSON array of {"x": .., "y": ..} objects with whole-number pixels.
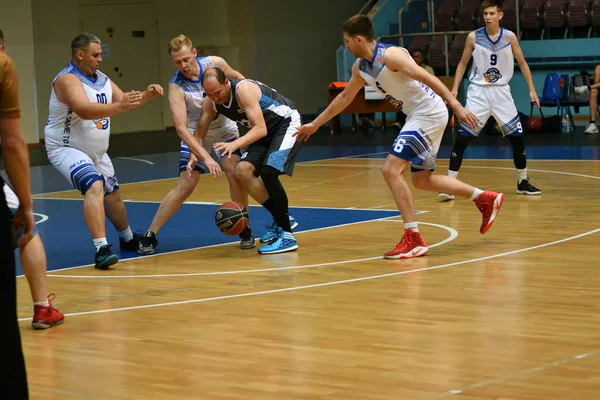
[{"x": 130, "y": 57}]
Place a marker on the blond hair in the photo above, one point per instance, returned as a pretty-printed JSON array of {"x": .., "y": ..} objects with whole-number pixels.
[{"x": 178, "y": 42}]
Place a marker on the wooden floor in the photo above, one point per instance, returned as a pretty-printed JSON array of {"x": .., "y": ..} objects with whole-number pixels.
[{"x": 513, "y": 314}]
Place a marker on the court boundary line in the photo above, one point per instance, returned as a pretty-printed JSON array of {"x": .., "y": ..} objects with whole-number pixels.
[
  {"x": 453, "y": 235},
  {"x": 331, "y": 283},
  {"x": 232, "y": 242}
]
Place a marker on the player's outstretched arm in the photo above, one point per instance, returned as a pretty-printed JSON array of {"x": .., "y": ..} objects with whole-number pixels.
[
  {"x": 518, "y": 53},
  {"x": 69, "y": 90},
  {"x": 230, "y": 73},
  {"x": 464, "y": 61},
  {"x": 153, "y": 91},
  {"x": 338, "y": 105},
  {"x": 396, "y": 59}
]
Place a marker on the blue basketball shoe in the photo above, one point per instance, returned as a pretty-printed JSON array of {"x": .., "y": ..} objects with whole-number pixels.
[
  {"x": 105, "y": 257},
  {"x": 285, "y": 241},
  {"x": 271, "y": 233}
]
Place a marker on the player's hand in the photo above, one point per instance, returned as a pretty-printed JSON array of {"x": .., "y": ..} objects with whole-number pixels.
[
  {"x": 305, "y": 132},
  {"x": 191, "y": 164},
  {"x": 454, "y": 93},
  {"x": 226, "y": 148},
  {"x": 534, "y": 99},
  {"x": 214, "y": 168},
  {"x": 467, "y": 117},
  {"x": 24, "y": 220},
  {"x": 154, "y": 90},
  {"x": 131, "y": 100}
]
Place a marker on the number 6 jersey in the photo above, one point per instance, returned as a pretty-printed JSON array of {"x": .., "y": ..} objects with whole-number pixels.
[
  {"x": 493, "y": 61},
  {"x": 65, "y": 128}
]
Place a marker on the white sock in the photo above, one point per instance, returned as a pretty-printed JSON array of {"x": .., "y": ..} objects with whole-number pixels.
[
  {"x": 413, "y": 226},
  {"x": 452, "y": 174},
  {"x": 99, "y": 242},
  {"x": 522, "y": 174},
  {"x": 126, "y": 235},
  {"x": 476, "y": 193},
  {"x": 43, "y": 303}
]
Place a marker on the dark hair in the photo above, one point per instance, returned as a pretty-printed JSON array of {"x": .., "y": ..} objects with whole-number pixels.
[
  {"x": 216, "y": 73},
  {"x": 359, "y": 25},
  {"x": 1, "y": 37},
  {"x": 83, "y": 41},
  {"x": 492, "y": 3},
  {"x": 413, "y": 51}
]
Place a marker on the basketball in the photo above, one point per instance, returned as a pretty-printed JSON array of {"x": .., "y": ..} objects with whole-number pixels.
[
  {"x": 231, "y": 218},
  {"x": 534, "y": 124}
]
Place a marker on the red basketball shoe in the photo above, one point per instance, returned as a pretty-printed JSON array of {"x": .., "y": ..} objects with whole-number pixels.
[
  {"x": 489, "y": 204},
  {"x": 411, "y": 245},
  {"x": 45, "y": 317}
]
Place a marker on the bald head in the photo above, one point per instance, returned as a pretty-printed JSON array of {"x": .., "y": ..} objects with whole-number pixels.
[{"x": 214, "y": 73}]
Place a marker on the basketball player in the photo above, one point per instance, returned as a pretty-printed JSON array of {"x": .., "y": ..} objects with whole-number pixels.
[
  {"x": 393, "y": 72},
  {"x": 33, "y": 262},
  {"x": 494, "y": 50},
  {"x": 77, "y": 133},
  {"x": 592, "y": 127},
  {"x": 13, "y": 376},
  {"x": 185, "y": 100},
  {"x": 271, "y": 149}
]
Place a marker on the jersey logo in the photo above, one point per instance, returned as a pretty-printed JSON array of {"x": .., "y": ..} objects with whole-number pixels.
[
  {"x": 492, "y": 75},
  {"x": 102, "y": 123},
  {"x": 479, "y": 38}
]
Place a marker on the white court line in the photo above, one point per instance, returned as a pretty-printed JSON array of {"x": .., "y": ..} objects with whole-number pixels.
[
  {"x": 229, "y": 243},
  {"x": 366, "y": 278},
  {"x": 136, "y": 159},
  {"x": 452, "y": 231}
]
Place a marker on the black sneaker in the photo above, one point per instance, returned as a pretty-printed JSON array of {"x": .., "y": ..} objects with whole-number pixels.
[
  {"x": 147, "y": 243},
  {"x": 105, "y": 257},
  {"x": 133, "y": 244},
  {"x": 524, "y": 187},
  {"x": 247, "y": 240}
]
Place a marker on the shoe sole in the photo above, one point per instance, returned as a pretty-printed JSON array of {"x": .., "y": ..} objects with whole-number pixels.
[
  {"x": 445, "y": 197},
  {"x": 145, "y": 252},
  {"x": 497, "y": 204},
  {"x": 292, "y": 248},
  {"x": 248, "y": 247},
  {"x": 41, "y": 325},
  {"x": 111, "y": 260},
  {"x": 529, "y": 193},
  {"x": 416, "y": 252}
]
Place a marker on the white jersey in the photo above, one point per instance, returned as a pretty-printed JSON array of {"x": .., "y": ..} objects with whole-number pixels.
[
  {"x": 194, "y": 95},
  {"x": 405, "y": 93},
  {"x": 65, "y": 128},
  {"x": 493, "y": 61}
]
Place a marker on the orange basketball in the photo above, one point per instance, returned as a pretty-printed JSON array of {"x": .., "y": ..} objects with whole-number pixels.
[
  {"x": 534, "y": 124},
  {"x": 231, "y": 218}
]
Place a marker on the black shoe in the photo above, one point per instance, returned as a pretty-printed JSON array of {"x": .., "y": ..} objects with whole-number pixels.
[
  {"x": 524, "y": 187},
  {"x": 133, "y": 244},
  {"x": 247, "y": 240},
  {"x": 105, "y": 257},
  {"x": 147, "y": 243}
]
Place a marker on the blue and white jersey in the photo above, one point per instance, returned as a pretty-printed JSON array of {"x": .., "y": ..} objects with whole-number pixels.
[
  {"x": 275, "y": 107},
  {"x": 194, "y": 95},
  {"x": 405, "y": 93},
  {"x": 493, "y": 61},
  {"x": 65, "y": 128}
]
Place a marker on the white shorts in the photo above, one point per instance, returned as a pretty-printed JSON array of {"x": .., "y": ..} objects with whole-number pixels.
[
  {"x": 228, "y": 134},
  {"x": 79, "y": 169},
  {"x": 420, "y": 138},
  {"x": 484, "y": 101}
]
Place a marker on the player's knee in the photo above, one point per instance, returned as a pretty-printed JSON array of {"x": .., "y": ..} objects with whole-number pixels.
[
  {"x": 243, "y": 171},
  {"x": 187, "y": 184},
  {"x": 461, "y": 144},
  {"x": 95, "y": 189},
  {"x": 392, "y": 169}
]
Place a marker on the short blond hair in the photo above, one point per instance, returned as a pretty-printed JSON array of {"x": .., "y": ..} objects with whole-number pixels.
[{"x": 178, "y": 42}]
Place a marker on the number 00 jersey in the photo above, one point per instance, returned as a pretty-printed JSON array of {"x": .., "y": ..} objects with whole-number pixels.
[{"x": 65, "y": 128}]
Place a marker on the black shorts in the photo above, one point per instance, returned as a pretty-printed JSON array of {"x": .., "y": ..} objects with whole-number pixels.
[{"x": 278, "y": 149}]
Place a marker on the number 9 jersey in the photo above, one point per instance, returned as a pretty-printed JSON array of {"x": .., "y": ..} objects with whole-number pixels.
[{"x": 493, "y": 61}]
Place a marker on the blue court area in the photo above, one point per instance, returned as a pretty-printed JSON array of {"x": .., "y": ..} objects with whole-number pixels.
[{"x": 68, "y": 243}]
